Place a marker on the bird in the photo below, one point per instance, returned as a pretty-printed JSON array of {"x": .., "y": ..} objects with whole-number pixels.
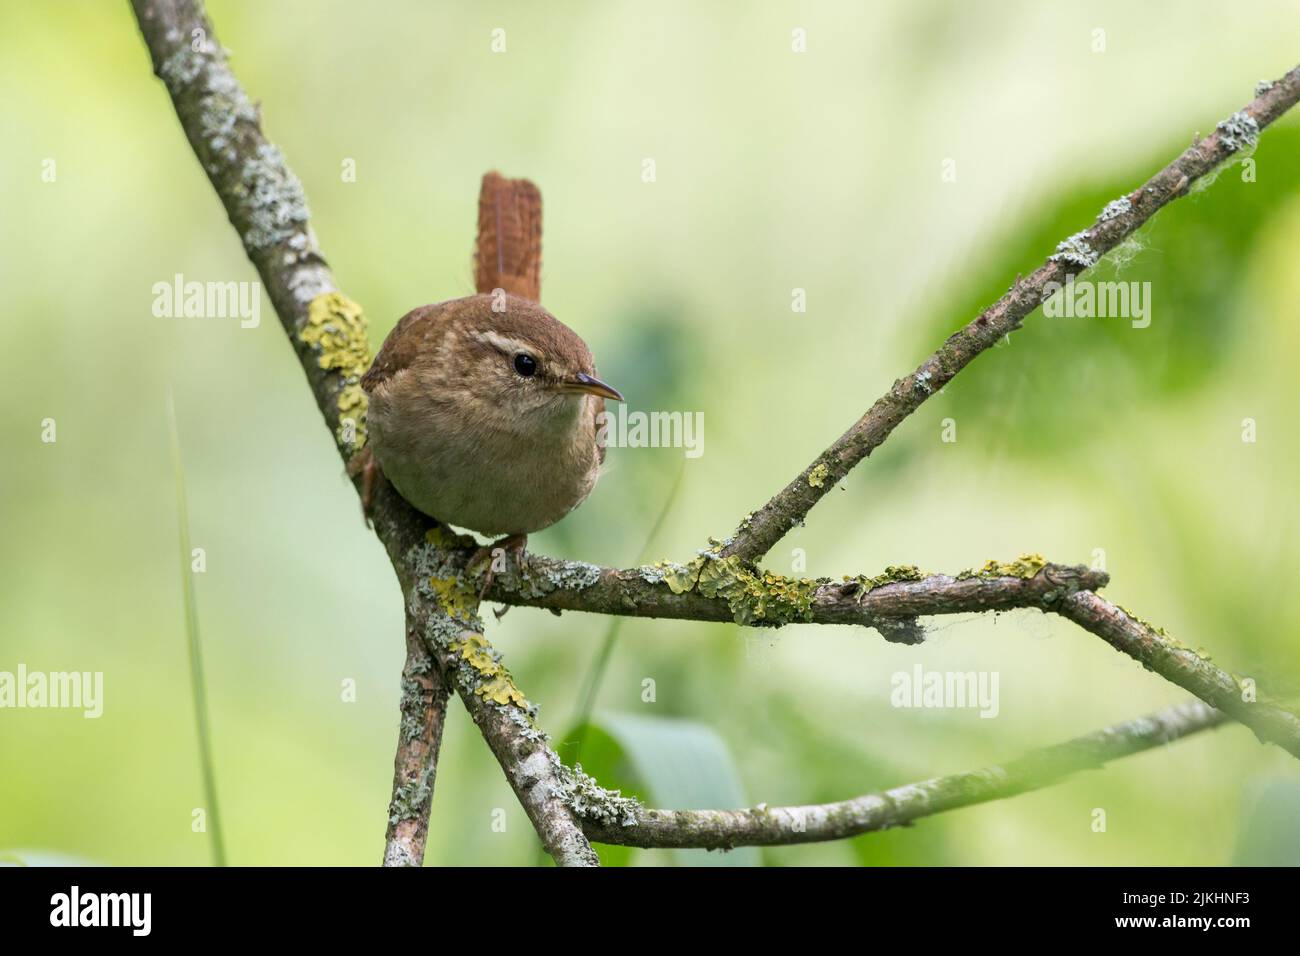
[
  {"x": 485, "y": 412},
  {"x": 486, "y": 419}
]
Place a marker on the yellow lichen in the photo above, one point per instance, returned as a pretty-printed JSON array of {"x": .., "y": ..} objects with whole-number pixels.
[
  {"x": 1153, "y": 628},
  {"x": 891, "y": 574},
  {"x": 477, "y": 652},
  {"x": 336, "y": 330},
  {"x": 455, "y": 597},
  {"x": 1025, "y": 566},
  {"x": 497, "y": 685},
  {"x": 443, "y": 539},
  {"x": 817, "y": 477},
  {"x": 754, "y": 598}
]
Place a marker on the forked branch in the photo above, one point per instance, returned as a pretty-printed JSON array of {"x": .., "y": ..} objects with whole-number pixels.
[{"x": 265, "y": 204}]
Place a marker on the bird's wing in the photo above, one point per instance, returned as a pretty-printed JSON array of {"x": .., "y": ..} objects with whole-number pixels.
[{"x": 416, "y": 332}]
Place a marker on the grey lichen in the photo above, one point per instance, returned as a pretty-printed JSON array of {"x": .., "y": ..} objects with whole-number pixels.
[
  {"x": 223, "y": 108},
  {"x": 573, "y": 575},
  {"x": 527, "y": 726},
  {"x": 182, "y": 68},
  {"x": 413, "y": 704},
  {"x": 276, "y": 206},
  {"x": 534, "y": 581},
  {"x": 1115, "y": 208},
  {"x": 661, "y": 571},
  {"x": 412, "y": 727},
  {"x": 590, "y": 801},
  {"x": 923, "y": 382},
  {"x": 1076, "y": 251},
  {"x": 1263, "y": 86},
  {"x": 410, "y": 797},
  {"x": 428, "y": 558},
  {"x": 1239, "y": 131}
]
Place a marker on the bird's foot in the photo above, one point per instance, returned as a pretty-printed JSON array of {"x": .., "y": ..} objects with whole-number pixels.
[
  {"x": 364, "y": 466},
  {"x": 495, "y": 554}
]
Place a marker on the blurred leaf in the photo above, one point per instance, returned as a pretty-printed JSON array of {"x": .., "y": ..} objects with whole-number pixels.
[
  {"x": 1270, "y": 828},
  {"x": 669, "y": 764},
  {"x": 1062, "y": 380}
]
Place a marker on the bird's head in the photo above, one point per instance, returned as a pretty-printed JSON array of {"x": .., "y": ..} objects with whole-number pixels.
[{"x": 508, "y": 357}]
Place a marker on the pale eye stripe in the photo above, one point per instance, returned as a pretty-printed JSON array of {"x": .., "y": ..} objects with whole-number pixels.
[{"x": 504, "y": 344}]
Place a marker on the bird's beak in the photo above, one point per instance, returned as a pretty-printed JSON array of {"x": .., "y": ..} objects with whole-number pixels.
[{"x": 592, "y": 386}]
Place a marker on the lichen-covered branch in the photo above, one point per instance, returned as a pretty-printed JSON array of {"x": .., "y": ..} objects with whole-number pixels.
[
  {"x": 714, "y": 589},
  {"x": 262, "y": 197},
  {"x": 760, "y": 530},
  {"x": 423, "y": 715},
  {"x": 1238, "y": 697},
  {"x": 443, "y": 603},
  {"x": 718, "y": 589},
  {"x": 777, "y": 826},
  {"x": 266, "y": 205},
  {"x": 446, "y": 647}
]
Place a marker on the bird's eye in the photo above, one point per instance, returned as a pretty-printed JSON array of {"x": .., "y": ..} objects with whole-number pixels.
[{"x": 525, "y": 364}]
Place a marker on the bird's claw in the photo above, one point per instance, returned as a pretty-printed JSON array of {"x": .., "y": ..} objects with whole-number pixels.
[{"x": 497, "y": 551}]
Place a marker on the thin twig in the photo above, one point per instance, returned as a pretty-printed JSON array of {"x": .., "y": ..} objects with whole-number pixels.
[
  {"x": 415, "y": 766},
  {"x": 1237, "y": 697},
  {"x": 779, "y": 826},
  {"x": 762, "y": 529}
]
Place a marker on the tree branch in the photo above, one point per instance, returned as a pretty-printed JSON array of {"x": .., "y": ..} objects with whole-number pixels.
[
  {"x": 890, "y": 602},
  {"x": 780, "y": 826},
  {"x": 266, "y": 205},
  {"x": 762, "y": 529},
  {"x": 443, "y": 603},
  {"x": 1193, "y": 671},
  {"x": 415, "y": 767}
]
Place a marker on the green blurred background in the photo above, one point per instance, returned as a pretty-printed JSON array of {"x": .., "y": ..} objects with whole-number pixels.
[{"x": 775, "y": 171}]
